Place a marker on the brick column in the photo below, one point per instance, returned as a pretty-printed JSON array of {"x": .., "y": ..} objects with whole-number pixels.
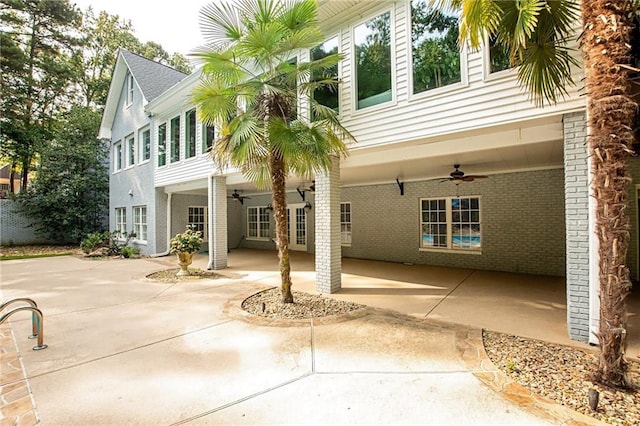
[
  {"x": 217, "y": 222},
  {"x": 328, "y": 247},
  {"x": 576, "y": 189}
]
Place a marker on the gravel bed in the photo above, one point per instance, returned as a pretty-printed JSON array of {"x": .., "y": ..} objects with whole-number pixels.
[
  {"x": 269, "y": 304},
  {"x": 169, "y": 275},
  {"x": 563, "y": 374}
]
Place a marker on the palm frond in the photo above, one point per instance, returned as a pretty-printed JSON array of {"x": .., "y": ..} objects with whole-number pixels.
[
  {"x": 479, "y": 18},
  {"x": 299, "y": 14},
  {"x": 220, "y": 24}
]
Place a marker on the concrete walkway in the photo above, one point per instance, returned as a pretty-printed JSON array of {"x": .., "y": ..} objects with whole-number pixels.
[{"x": 127, "y": 350}]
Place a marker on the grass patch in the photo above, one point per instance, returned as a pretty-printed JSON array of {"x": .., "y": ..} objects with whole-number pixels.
[{"x": 35, "y": 251}]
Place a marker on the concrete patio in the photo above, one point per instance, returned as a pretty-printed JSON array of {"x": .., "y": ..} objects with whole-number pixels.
[{"x": 127, "y": 350}]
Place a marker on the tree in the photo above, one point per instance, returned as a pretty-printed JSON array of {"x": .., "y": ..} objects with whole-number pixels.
[
  {"x": 535, "y": 33},
  {"x": 250, "y": 87},
  {"x": 68, "y": 199},
  {"x": 35, "y": 48}
]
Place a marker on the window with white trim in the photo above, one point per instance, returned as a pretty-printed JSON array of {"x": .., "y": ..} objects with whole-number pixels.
[
  {"x": 451, "y": 223},
  {"x": 208, "y": 136},
  {"x": 190, "y": 133},
  {"x": 197, "y": 219},
  {"x": 121, "y": 222},
  {"x": 498, "y": 56},
  {"x": 145, "y": 144},
  {"x": 372, "y": 54},
  {"x": 129, "y": 89},
  {"x": 117, "y": 157},
  {"x": 162, "y": 144},
  {"x": 140, "y": 222},
  {"x": 327, "y": 96},
  {"x": 345, "y": 224},
  {"x": 258, "y": 223},
  {"x": 435, "y": 51},
  {"x": 131, "y": 151},
  {"x": 175, "y": 140}
]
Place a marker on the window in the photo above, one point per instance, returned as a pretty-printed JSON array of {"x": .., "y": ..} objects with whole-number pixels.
[
  {"x": 140, "y": 222},
  {"x": 372, "y": 44},
  {"x": 129, "y": 89},
  {"x": 208, "y": 136},
  {"x": 175, "y": 140},
  {"x": 131, "y": 151},
  {"x": 162, "y": 144},
  {"x": 258, "y": 223},
  {"x": 190, "y": 133},
  {"x": 121, "y": 222},
  {"x": 498, "y": 56},
  {"x": 345, "y": 223},
  {"x": 198, "y": 219},
  {"x": 327, "y": 96},
  {"x": 117, "y": 157},
  {"x": 435, "y": 51},
  {"x": 145, "y": 144},
  {"x": 451, "y": 223}
]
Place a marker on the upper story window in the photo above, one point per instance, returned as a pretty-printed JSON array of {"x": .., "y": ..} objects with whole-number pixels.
[
  {"x": 175, "y": 140},
  {"x": 162, "y": 144},
  {"x": 258, "y": 223},
  {"x": 117, "y": 157},
  {"x": 372, "y": 48},
  {"x": 327, "y": 96},
  {"x": 435, "y": 51},
  {"x": 451, "y": 223},
  {"x": 498, "y": 56},
  {"x": 129, "y": 89},
  {"x": 145, "y": 144},
  {"x": 131, "y": 151},
  {"x": 208, "y": 136},
  {"x": 190, "y": 133}
]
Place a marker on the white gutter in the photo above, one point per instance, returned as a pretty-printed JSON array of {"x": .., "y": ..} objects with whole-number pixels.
[{"x": 166, "y": 252}]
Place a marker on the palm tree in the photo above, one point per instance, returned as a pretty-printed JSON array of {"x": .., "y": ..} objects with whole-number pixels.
[
  {"x": 252, "y": 81},
  {"x": 535, "y": 33}
]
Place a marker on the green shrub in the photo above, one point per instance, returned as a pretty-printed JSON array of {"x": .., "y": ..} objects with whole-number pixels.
[
  {"x": 94, "y": 241},
  {"x": 128, "y": 252}
]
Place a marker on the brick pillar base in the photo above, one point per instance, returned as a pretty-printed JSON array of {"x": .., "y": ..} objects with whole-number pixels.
[
  {"x": 217, "y": 223},
  {"x": 328, "y": 247}
]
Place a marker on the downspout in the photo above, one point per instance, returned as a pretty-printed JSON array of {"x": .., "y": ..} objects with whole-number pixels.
[
  {"x": 166, "y": 252},
  {"x": 210, "y": 224}
]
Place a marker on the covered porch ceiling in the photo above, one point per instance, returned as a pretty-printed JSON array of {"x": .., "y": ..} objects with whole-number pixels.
[{"x": 531, "y": 145}]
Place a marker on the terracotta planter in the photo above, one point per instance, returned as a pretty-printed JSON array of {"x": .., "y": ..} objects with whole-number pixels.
[{"x": 184, "y": 260}]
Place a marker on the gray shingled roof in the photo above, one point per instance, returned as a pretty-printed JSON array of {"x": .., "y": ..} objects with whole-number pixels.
[{"x": 153, "y": 77}]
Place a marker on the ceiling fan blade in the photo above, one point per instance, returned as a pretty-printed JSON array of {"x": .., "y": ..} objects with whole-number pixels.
[{"x": 477, "y": 176}]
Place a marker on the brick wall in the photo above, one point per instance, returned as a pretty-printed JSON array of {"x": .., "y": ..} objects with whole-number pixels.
[
  {"x": 522, "y": 222},
  {"x": 15, "y": 228},
  {"x": 577, "y": 224}
]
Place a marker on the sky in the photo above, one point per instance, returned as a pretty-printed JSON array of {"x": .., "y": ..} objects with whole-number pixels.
[{"x": 172, "y": 24}]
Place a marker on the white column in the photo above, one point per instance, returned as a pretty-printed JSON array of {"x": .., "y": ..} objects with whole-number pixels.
[
  {"x": 217, "y": 194},
  {"x": 328, "y": 247}
]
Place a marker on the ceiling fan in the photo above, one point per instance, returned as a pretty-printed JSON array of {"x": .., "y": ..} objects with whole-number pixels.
[
  {"x": 457, "y": 176},
  {"x": 236, "y": 196}
]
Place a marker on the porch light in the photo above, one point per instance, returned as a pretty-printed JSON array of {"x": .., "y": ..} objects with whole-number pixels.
[
  {"x": 307, "y": 206},
  {"x": 269, "y": 207}
]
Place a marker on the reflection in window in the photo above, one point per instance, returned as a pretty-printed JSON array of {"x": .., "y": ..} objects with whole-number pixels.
[
  {"x": 436, "y": 55},
  {"x": 190, "y": 135},
  {"x": 208, "y": 136},
  {"x": 345, "y": 223},
  {"x": 373, "y": 55},
  {"x": 175, "y": 139},
  {"x": 498, "y": 56},
  {"x": 451, "y": 223},
  {"x": 145, "y": 154},
  {"x": 327, "y": 95},
  {"x": 162, "y": 144}
]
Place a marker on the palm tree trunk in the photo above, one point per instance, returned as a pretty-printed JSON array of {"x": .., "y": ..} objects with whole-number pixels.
[
  {"x": 610, "y": 110},
  {"x": 279, "y": 200}
]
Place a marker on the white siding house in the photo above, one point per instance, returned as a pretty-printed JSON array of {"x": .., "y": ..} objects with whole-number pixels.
[{"x": 387, "y": 200}]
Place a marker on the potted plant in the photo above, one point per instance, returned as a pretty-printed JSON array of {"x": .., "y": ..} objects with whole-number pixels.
[{"x": 184, "y": 245}]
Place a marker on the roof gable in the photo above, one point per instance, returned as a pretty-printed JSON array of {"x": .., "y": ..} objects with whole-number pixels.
[{"x": 153, "y": 78}]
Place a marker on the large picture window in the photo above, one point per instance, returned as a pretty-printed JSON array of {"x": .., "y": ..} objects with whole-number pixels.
[
  {"x": 451, "y": 223},
  {"x": 372, "y": 44},
  {"x": 258, "y": 223},
  {"x": 162, "y": 144},
  {"x": 197, "y": 218},
  {"x": 345, "y": 224},
  {"x": 327, "y": 96},
  {"x": 498, "y": 56},
  {"x": 175, "y": 140},
  {"x": 140, "y": 222},
  {"x": 190, "y": 133},
  {"x": 435, "y": 51},
  {"x": 121, "y": 222}
]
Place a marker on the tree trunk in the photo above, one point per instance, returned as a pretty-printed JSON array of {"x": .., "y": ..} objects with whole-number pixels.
[
  {"x": 12, "y": 177},
  {"x": 610, "y": 111},
  {"x": 25, "y": 175},
  {"x": 279, "y": 200}
]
